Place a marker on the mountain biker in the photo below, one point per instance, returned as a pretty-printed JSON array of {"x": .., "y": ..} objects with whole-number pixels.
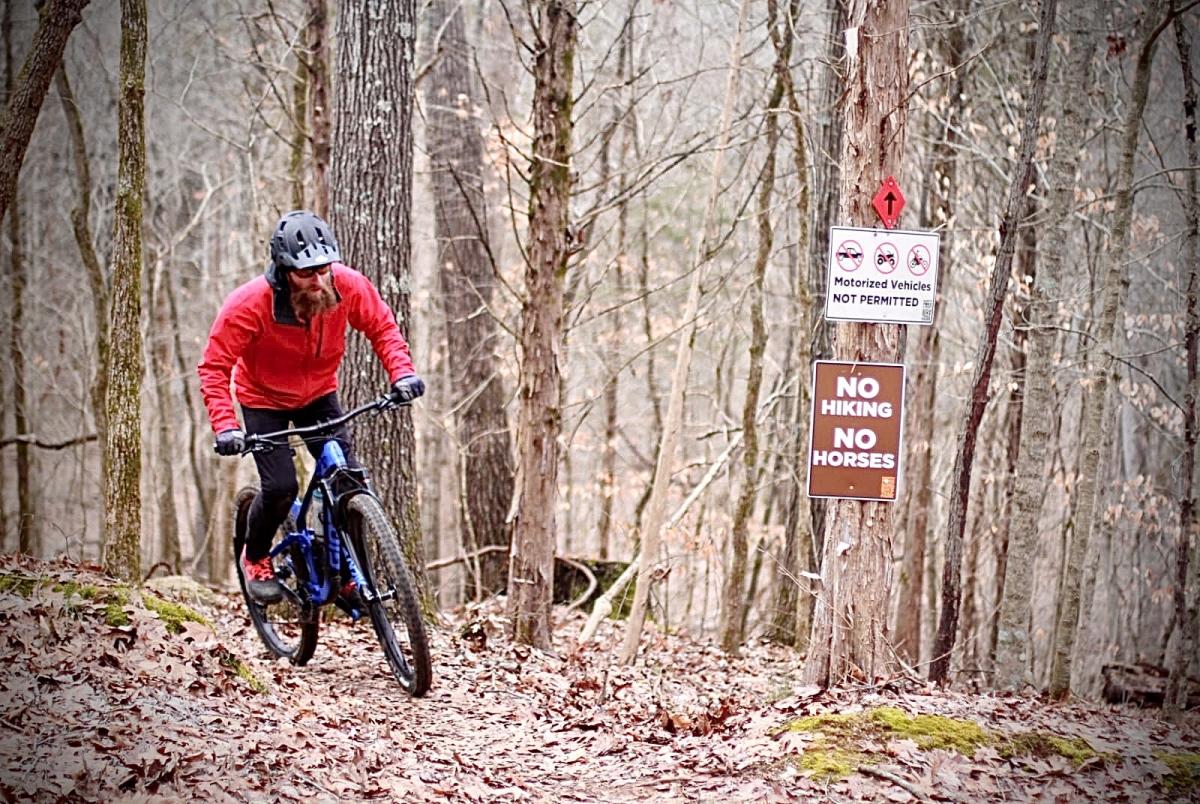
[{"x": 281, "y": 337}]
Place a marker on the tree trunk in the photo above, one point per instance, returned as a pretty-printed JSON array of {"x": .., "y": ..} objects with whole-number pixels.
[
  {"x": 651, "y": 527},
  {"x": 465, "y": 273},
  {"x": 986, "y": 351},
  {"x": 372, "y": 216},
  {"x": 160, "y": 351},
  {"x": 1115, "y": 281},
  {"x": 1013, "y": 656},
  {"x": 791, "y": 605},
  {"x": 1186, "y": 643},
  {"x": 122, "y": 463},
  {"x": 943, "y": 186},
  {"x": 531, "y": 569},
  {"x": 97, "y": 282},
  {"x": 316, "y": 37},
  {"x": 850, "y": 631},
  {"x": 299, "y": 132},
  {"x": 56, "y": 20},
  {"x": 735, "y": 603}
]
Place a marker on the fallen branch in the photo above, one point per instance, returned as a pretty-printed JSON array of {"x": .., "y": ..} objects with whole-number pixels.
[
  {"x": 442, "y": 563},
  {"x": 894, "y": 779},
  {"x": 592, "y": 582},
  {"x": 33, "y": 440}
]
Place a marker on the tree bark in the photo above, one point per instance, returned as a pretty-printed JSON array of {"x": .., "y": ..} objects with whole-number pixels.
[
  {"x": 850, "y": 628},
  {"x": 986, "y": 352},
  {"x": 791, "y": 605},
  {"x": 371, "y": 183},
  {"x": 122, "y": 462},
  {"x": 1013, "y": 657},
  {"x": 27, "y": 526},
  {"x": 316, "y": 37},
  {"x": 943, "y": 186},
  {"x": 465, "y": 273},
  {"x": 1115, "y": 282},
  {"x": 56, "y": 20},
  {"x": 735, "y": 603},
  {"x": 1186, "y": 643},
  {"x": 531, "y": 567},
  {"x": 651, "y": 528}
]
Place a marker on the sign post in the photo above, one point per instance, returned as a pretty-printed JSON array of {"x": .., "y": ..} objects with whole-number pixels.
[
  {"x": 883, "y": 277},
  {"x": 856, "y": 434}
]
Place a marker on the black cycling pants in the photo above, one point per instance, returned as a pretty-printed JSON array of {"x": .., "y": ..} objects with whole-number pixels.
[{"x": 277, "y": 473}]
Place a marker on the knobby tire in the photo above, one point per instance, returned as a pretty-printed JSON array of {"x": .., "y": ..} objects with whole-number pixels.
[
  {"x": 377, "y": 549},
  {"x": 287, "y": 630}
]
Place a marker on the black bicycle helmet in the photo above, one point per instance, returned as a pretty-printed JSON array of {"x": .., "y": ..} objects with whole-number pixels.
[{"x": 303, "y": 240}]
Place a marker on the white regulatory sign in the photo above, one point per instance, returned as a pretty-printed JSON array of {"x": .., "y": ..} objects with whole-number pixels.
[{"x": 885, "y": 276}]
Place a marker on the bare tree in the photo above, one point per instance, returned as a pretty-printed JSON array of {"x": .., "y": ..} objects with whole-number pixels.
[
  {"x": 1013, "y": 655},
  {"x": 1115, "y": 279},
  {"x": 943, "y": 190},
  {"x": 56, "y": 20},
  {"x": 122, "y": 462},
  {"x": 1186, "y": 641},
  {"x": 372, "y": 215},
  {"x": 466, "y": 278},
  {"x": 664, "y": 466},
  {"x": 986, "y": 351},
  {"x": 531, "y": 569},
  {"x": 849, "y": 636}
]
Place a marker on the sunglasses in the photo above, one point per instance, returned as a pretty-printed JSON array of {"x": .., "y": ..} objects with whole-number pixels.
[{"x": 309, "y": 273}]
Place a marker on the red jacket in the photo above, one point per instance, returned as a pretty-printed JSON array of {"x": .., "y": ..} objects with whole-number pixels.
[{"x": 281, "y": 363}]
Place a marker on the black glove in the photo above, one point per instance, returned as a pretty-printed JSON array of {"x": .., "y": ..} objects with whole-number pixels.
[
  {"x": 406, "y": 389},
  {"x": 230, "y": 442}
]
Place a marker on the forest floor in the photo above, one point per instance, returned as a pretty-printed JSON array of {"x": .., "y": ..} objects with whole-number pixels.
[{"x": 109, "y": 694}]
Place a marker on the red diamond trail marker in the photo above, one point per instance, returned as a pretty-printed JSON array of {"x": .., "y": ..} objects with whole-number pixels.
[{"x": 888, "y": 202}]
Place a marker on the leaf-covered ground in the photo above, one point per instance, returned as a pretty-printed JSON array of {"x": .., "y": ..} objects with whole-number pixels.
[{"x": 108, "y": 693}]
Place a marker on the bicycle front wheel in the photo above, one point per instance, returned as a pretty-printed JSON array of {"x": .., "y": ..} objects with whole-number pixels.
[
  {"x": 287, "y": 628},
  {"x": 393, "y": 601}
]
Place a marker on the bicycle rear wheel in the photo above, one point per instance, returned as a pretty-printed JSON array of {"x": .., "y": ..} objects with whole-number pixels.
[
  {"x": 393, "y": 606},
  {"x": 288, "y": 628}
]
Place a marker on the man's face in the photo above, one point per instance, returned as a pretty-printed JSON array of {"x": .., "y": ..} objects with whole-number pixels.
[{"x": 312, "y": 291}]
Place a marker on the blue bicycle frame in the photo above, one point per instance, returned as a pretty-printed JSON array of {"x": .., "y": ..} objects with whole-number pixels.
[{"x": 320, "y": 585}]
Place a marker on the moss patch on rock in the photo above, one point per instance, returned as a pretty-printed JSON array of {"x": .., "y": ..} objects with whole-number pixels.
[
  {"x": 1185, "y": 771},
  {"x": 173, "y": 615}
]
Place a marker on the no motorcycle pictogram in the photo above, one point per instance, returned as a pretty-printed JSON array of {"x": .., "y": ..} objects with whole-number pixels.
[
  {"x": 886, "y": 258},
  {"x": 849, "y": 256},
  {"x": 918, "y": 260}
]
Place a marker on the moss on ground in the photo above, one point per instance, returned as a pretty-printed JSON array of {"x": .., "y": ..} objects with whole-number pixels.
[
  {"x": 242, "y": 671},
  {"x": 173, "y": 615},
  {"x": 824, "y": 762},
  {"x": 1185, "y": 771},
  {"x": 834, "y": 753},
  {"x": 114, "y": 612},
  {"x": 1044, "y": 744},
  {"x": 933, "y": 731}
]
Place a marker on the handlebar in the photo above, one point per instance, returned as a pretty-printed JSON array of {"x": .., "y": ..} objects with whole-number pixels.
[{"x": 264, "y": 442}]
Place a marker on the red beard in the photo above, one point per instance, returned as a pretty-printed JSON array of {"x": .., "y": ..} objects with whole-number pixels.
[{"x": 313, "y": 300}]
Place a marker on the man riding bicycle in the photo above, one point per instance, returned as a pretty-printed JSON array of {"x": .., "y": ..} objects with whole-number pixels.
[{"x": 281, "y": 337}]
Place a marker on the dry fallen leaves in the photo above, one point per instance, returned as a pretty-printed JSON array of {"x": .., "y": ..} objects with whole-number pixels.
[{"x": 91, "y": 710}]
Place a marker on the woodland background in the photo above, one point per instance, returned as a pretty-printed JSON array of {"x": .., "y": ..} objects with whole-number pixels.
[{"x": 238, "y": 99}]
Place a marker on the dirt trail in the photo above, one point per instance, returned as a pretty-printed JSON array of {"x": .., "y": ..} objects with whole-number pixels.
[{"x": 96, "y": 706}]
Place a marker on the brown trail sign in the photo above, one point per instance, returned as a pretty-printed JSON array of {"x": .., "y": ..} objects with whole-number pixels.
[{"x": 855, "y": 437}]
